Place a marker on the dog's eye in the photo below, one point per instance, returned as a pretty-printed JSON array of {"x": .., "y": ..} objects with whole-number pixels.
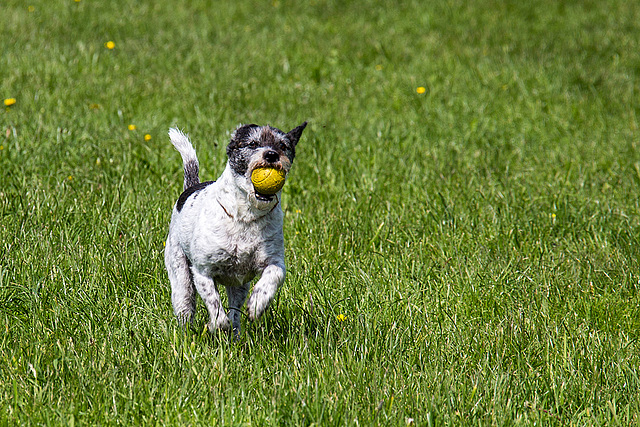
[{"x": 252, "y": 144}]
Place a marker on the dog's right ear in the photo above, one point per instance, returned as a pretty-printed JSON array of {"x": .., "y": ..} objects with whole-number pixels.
[{"x": 295, "y": 134}]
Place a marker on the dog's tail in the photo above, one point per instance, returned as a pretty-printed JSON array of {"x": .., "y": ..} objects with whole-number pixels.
[{"x": 189, "y": 159}]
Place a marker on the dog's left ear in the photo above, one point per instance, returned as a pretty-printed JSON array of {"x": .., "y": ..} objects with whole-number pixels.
[{"x": 295, "y": 134}]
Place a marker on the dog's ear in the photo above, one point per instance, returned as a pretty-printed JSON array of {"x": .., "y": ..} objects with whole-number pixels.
[{"x": 295, "y": 134}]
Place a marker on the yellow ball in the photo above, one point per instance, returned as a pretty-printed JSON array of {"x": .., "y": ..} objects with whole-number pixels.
[{"x": 267, "y": 180}]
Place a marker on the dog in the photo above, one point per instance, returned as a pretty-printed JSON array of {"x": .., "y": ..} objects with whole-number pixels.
[{"x": 225, "y": 232}]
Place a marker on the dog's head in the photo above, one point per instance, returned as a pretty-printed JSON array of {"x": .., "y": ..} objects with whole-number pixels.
[{"x": 254, "y": 146}]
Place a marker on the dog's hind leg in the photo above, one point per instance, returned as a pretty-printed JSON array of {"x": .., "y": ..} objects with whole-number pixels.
[
  {"x": 209, "y": 292},
  {"x": 183, "y": 295},
  {"x": 236, "y": 295}
]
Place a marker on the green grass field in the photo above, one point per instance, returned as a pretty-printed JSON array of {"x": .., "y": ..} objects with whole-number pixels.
[{"x": 462, "y": 221}]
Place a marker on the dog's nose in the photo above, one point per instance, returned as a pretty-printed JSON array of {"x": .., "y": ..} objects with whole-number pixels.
[{"x": 271, "y": 156}]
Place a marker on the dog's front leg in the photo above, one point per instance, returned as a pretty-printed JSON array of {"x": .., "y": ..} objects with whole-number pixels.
[
  {"x": 209, "y": 292},
  {"x": 265, "y": 289}
]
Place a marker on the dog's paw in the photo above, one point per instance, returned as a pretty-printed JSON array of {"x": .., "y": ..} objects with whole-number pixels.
[
  {"x": 222, "y": 323},
  {"x": 185, "y": 320},
  {"x": 257, "y": 304}
]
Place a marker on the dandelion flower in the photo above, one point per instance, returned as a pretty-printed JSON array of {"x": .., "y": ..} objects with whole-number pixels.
[
  {"x": 421, "y": 90},
  {"x": 341, "y": 317},
  {"x": 147, "y": 137},
  {"x": 9, "y": 102},
  {"x": 131, "y": 127},
  {"x": 109, "y": 45}
]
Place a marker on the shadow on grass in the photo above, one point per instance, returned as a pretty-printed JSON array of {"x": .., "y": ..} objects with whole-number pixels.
[{"x": 284, "y": 324}]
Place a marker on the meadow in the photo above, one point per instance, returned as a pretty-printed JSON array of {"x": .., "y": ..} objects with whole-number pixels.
[{"x": 462, "y": 220}]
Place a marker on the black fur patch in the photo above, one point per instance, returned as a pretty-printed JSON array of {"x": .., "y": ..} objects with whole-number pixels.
[
  {"x": 240, "y": 139},
  {"x": 191, "y": 174},
  {"x": 189, "y": 191},
  {"x": 242, "y": 133}
]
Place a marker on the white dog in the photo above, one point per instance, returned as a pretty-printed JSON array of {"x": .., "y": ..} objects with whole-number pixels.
[{"x": 227, "y": 233}]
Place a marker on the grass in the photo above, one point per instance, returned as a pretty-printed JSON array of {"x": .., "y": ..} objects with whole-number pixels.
[{"x": 481, "y": 239}]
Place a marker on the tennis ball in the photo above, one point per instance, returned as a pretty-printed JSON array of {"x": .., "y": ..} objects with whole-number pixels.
[{"x": 267, "y": 180}]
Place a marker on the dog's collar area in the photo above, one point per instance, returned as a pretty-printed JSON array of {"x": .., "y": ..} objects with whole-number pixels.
[
  {"x": 224, "y": 209},
  {"x": 267, "y": 199}
]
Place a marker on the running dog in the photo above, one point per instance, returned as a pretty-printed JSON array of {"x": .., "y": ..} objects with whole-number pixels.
[{"x": 225, "y": 232}]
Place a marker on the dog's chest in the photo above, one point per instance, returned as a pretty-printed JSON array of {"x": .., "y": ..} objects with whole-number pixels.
[
  {"x": 237, "y": 262},
  {"x": 231, "y": 255}
]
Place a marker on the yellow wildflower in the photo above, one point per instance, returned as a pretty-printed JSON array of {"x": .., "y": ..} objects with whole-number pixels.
[
  {"x": 421, "y": 90},
  {"x": 147, "y": 137},
  {"x": 9, "y": 102},
  {"x": 131, "y": 127},
  {"x": 109, "y": 45},
  {"x": 341, "y": 317}
]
